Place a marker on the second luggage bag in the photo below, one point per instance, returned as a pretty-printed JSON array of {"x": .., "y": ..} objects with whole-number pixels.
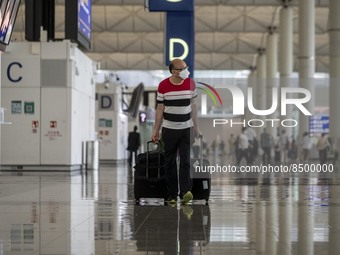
[
  {"x": 201, "y": 180},
  {"x": 149, "y": 178}
]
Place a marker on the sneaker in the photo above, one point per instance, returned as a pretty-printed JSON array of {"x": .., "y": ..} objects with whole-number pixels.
[
  {"x": 187, "y": 198},
  {"x": 172, "y": 202},
  {"x": 187, "y": 211}
]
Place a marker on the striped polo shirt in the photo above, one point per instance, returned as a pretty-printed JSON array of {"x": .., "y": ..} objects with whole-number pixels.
[{"x": 177, "y": 103}]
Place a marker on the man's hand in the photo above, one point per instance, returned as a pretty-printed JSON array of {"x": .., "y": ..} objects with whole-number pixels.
[
  {"x": 155, "y": 136},
  {"x": 197, "y": 132}
]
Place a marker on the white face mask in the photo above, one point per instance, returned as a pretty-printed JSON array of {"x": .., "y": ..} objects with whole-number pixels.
[{"x": 184, "y": 73}]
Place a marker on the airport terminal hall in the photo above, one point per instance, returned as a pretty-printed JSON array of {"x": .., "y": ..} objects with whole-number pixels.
[{"x": 169, "y": 127}]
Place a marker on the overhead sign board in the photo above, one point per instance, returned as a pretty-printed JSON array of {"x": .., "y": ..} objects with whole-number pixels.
[
  {"x": 171, "y": 5},
  {"x": 319, "y": 124},
  {"x": 180, "y": 38}
]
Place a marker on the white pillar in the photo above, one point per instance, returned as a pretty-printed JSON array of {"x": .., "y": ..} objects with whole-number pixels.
[
  {"x": 285, "y": 221},
  {"x": 305, "y": 220},
  {"x": 306, "y": 74},
  {"x": 286, "y": 54},
  {"x": 272, "y": 219},
  {"x": 251, "y": 83},
  {"x": 260, "y": 223},
  {"x": 272, "y": 76},
  {"x": 306, "y": 56},
  {"x": 260, "y": 87},
  {"x": 251, "y": 219},
  {"x": 334, "y": 220},
  {"x": 334, "y": 71}
]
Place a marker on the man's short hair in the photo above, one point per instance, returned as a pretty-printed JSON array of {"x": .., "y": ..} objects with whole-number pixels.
[{"x": 171, "y": 66}]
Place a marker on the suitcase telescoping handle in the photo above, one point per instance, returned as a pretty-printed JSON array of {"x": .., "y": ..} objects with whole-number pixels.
[
  {"x": 152, "y": 142},
  {"x": 201, "y": 149},
  {"x": 147, "y": 158}
]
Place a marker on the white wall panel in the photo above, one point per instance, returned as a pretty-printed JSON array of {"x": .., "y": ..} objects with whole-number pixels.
[
  {"x": 20, "y": 141},
  {"x": 59, "y": 79},
  {"x": 111, "y": 122},
  {"x": 55, "y": 138},
  {"x": 20, "y": 70}
]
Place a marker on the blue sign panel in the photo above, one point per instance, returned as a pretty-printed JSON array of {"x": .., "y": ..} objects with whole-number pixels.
[
  {"x": 180, "y": 38},
  {"x": 171, "y": 5},
  {"x": 319, "y": 124},
  {"x": 84, "y": 18}
]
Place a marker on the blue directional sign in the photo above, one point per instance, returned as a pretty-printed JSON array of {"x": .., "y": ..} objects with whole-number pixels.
[
  {"x": 180, "y": 29},
  {"x": 84, "y": 16},
  {"x": 180, "y": 38},
  {"x": 171, "y": 5},
  {"x": 319, "y": 124}
]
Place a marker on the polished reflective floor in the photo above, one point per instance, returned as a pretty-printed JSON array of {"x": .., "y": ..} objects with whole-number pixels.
[{"x": 94, "y": 212}]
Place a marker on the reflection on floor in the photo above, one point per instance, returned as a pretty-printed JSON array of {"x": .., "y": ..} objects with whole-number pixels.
[{"x": 94, "y": 212}]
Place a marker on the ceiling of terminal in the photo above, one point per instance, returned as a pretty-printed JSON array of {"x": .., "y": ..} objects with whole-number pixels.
[{"x": 228, "y": 33}]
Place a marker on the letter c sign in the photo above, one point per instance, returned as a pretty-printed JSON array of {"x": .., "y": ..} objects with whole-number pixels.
[{"x": 9, "y": 74}]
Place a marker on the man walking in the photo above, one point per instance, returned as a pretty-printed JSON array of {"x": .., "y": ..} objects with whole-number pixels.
[{"x": 177, "y": 114}]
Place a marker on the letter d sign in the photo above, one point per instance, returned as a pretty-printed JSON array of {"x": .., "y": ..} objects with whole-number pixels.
[
  {"x": 180, "y": 37},
  {"x": 106, "y": 102},
  {"x": 172, "y": 48}
]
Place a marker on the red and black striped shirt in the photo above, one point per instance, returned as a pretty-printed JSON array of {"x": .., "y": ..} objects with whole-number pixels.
[{"x": 177, "y": 103}]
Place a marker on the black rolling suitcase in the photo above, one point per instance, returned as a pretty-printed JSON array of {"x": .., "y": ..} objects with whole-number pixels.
[
  {"x": 149, "y": 177},
  {"x": 201, "y": 179}
]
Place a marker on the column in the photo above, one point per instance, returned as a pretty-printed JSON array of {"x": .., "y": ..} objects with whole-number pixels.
[
  {"x": 306, "y": 56},
  {"x": 333, "y": 219},
  {"x": 260, "y": 222},
  {"x": 251, "y": 83},
  {"x": 285, "y": 221},
  {"x": 272, "y": 75},
  {"x": 260, "y": 88},
  {"x": 251, "y": 217},
  {"x": 286, "y": 53},
  {"x": 272, "y": 219},
  {"x": 305, "y": 219},
  {"x": 334, "y": 71}
]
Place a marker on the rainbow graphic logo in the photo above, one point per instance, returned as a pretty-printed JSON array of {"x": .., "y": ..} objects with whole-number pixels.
[{"x": 209, "y": 90}]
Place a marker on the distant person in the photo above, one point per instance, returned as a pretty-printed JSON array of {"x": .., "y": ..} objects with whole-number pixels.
[
  {"x": 292, "y": 151},
  {"x": 243, "y": 146},
  {"x": 213, "y": 147},
  {"x": 133, "y": 145},
  {"x": 232, "y": 147},
  {"x": 222, "y": 146},
  {"x": 306, "y": 146},
  {"x": 323, "y": 146},
  {"x": 253, "y": 144},
  {"x": 277, "y": 149},
  {"x": 284, "y": 143},
  {"x": 266, "y": 145}
]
